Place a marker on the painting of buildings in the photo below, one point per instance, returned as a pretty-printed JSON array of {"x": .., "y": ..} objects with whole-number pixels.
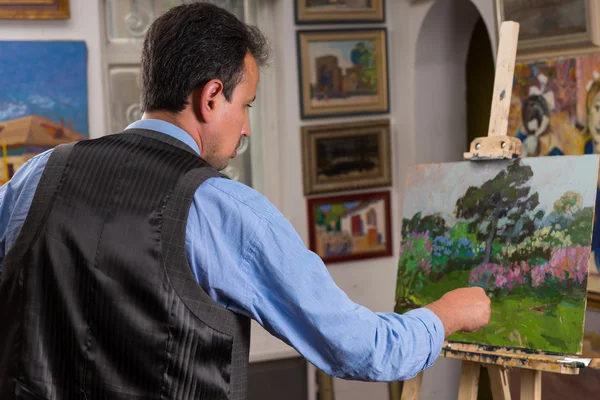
[
  {"x": 343, "y": 72},
  {"x": 28, "y": 136},
  {"x": 350, "y": 227},
  {"x": 331, "y": 81},
  {"x": 520, "y": 229},
  {"x": 43, "y": 101}
]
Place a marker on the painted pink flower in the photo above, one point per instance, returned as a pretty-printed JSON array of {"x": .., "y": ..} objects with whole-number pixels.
[{"x": 500, "y": 281}]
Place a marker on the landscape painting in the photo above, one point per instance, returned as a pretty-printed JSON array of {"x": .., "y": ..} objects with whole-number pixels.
[
  {"x": 346, "y": 156},
  {"x": 521, "y": 229},
  {"x": 543, "y": 18},
  {"x": 350, "y": 227},
  {"x": 43, "y": 101},
  {"x": 339, "y": 4},
  {"x": 343, "y": 72},
  {"x": 332, "y": 11}
]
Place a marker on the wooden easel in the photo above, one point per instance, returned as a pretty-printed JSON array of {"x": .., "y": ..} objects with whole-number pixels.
[{"x": 498, "y": 145}]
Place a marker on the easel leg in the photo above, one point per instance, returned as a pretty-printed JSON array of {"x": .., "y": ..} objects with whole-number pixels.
[
  {"x": 412, "y": 388},
  {"x": 325, "y": 383},
  {"x": 469, "y": 381},
  {"x": 499, "y": 382},
  {"x": 531, "y": 384},
  {"x": 395, "y": 390}
]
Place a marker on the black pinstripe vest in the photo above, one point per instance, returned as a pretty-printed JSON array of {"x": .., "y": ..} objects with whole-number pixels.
[{"x": 97, "y": 299}]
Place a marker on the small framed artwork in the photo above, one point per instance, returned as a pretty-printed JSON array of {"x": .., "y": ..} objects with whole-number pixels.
[
  {"x": 350, "y": 227},
  {"x": 546, "y": 25},
  {"x": 343, "y": 72},
  {"x": 34, "y": 9},
  {"x": 346, "y": 156},
  {"x": 336, "y": 11}
]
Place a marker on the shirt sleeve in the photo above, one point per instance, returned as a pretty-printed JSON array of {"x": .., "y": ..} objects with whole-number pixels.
[
  {"x": 16, "y": 196},
  {"x": 262, "y": 269}
]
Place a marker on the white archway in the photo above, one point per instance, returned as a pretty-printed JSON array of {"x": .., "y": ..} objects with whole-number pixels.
[
  {"x": 440, "y": 113},
  {"x": 440, "y": 125}
]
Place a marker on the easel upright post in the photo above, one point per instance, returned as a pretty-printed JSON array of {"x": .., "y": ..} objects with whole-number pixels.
[{"x": 497, "y": 144}]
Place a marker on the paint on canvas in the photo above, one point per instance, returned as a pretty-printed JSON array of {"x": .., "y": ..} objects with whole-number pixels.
[
  {"x": 520, "y": 229},
  {"x": 342, "y": 72},
  {"x": 43, "y": 101},
  {"x": 546, "y": 18},
  {"x": 339, "y": 5}
]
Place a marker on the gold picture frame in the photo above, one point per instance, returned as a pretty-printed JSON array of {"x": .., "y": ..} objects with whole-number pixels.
[
  {"x": 343, "y": 72},
  {"x": 34, "y": 9},
  {"x": 539, "y": 36},
  {"x": 349, "y": 156},
  {"x": 331, "y": 12},
  {"x": 355, "y": 227}
]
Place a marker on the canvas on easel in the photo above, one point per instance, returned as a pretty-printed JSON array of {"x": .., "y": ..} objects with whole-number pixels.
[
  {"x": 520, "y": 229},
  {"x": 496, "y": 201}
]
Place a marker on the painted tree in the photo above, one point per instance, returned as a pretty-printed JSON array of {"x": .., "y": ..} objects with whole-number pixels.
[
  {"x": 569, "y": 203},
  {"x": 363, "y": 55},
  {"x": 506, "y": 193},
  {"x": 434, "y": 224},
  {"x": 332, "y": 220}
]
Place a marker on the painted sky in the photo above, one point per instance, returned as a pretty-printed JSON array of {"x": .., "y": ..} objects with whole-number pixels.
[
  {"x": 434, "y": 188},
  {"x": 342, "y": 49},
  {"x": 44, "y": 78},
  {"x": 347, "y": 205}
]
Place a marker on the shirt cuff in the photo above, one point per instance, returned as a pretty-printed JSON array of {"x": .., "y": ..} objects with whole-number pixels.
[{"x": 434, "y": 327}]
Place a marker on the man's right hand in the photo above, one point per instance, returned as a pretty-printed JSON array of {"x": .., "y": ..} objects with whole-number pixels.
[{"x": 465, "y": 309}]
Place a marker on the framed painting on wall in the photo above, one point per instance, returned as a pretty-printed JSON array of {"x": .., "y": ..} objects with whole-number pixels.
[
  {"x": 339, "y": 11},
  {"x": 350, "y": 227},
  {"x": 346, "y": 156},
  {"x": 44, "y": 98},
  {"x": 34, "y": 9},
  {"x": 552, "y": 24},
  {"x": 342, "y": 72}
]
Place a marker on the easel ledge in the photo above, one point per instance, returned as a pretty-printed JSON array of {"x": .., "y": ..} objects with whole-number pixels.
[
  {"x": 515, "y": 358},
  {"x": 498, "y": 361}
]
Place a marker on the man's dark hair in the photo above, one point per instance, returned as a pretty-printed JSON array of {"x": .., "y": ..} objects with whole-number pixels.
[{"x": 188, "y": 46}]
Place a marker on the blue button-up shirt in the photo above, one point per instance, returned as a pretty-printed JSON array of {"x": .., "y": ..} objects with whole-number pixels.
[{"x": 246, "y": 255}]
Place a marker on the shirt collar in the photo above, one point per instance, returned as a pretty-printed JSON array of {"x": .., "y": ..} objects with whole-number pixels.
[{"x": 167, "y": 128}]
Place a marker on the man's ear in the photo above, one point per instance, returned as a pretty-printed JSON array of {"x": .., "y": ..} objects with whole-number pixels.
[{"x": 206, "y": 100}]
